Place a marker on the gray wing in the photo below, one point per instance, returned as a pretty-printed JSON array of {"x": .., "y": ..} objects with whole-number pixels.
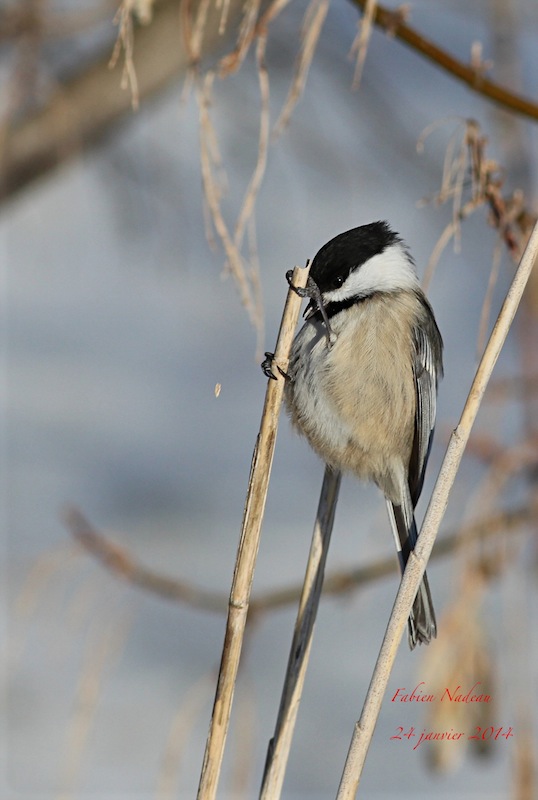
[{"x": 428, "y": 371}]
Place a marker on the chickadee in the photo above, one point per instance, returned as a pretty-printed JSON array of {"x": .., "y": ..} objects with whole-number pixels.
[{"x": 363, "y": 378}]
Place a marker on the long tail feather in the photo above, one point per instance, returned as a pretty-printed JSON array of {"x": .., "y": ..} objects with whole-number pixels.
[{"x": 422, "y": 626}]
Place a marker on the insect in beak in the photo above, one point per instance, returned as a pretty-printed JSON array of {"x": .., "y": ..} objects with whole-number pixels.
[{"x": 312, "y": 291}]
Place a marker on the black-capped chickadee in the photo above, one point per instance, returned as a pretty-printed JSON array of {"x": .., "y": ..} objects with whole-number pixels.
[{"x": 363, "y": 375}]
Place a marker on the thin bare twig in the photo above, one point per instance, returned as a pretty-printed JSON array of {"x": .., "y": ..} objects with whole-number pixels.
[
  {"x": 81, "y": 110},
  {"x": 395, "y": 25},
  {"x": 125, "y": 44},
  {"x": 471, "y": 180},
  {"x": 249, "y": 200},
  {"x": 279, "y": 746},
  {"x": 359, "y": 48},
  {"x": 416, "y": 566},
  {"x": 248, "y": 549},
  {"x": 44, "y": 139},
  {"x": 246, "y": 218},
  {"x": 488, "y": 297},
  {"x": 210, "y": 161},
  {"x": 231, "y": 62},
  {"x": 194, "y": 27},
  {"x": 312, "y": 27},
  {"x": 118, "y": 560}
]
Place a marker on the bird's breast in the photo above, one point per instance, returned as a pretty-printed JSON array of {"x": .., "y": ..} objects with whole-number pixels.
[{"x": 355, "y": 401}]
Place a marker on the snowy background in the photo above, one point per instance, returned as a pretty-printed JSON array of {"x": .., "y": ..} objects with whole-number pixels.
[{"x": 116, "y": 327}]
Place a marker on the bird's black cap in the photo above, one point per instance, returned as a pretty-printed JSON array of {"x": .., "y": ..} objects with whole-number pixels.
[{"x": 333, "y": 263}]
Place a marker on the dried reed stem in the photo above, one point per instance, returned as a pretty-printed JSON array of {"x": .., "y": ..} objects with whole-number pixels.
[
  {"x": 249, "y": 200},
  {"x": 312, "y": 26},
  {"x": 279, "y": 746},
  {"x": 248, "y": 548},
  {"x": 362, "y": 40},
  {"x": 364, "y": 728}
]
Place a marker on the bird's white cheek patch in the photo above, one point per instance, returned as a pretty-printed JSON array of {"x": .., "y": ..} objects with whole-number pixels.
[{"x": 389, "y": 271}]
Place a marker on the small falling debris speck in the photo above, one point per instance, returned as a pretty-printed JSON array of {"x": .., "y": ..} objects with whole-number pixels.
[{"x": 217, "y": 389}]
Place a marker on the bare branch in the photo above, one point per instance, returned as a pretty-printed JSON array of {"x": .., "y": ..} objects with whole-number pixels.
[
  {"x": 393, "y": 23},
  {"x": 121, "y": 563},
  {"x": 80, "y": 111}
]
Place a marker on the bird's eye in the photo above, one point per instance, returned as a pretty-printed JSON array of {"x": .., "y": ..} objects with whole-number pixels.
[{"x": 338, "y": 281}]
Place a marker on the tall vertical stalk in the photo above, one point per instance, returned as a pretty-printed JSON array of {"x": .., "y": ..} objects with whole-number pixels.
[
  {"x": 238, "y": 604},
  {"x": 416, "y": 566}
]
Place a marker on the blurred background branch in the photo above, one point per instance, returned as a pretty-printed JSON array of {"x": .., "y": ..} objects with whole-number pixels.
[
  {"x": 394, "y": 23},
  {"x": 80, "y": 111},
  {"x": 162, "y": 41},
  {"x": 122, "y": 564}
]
